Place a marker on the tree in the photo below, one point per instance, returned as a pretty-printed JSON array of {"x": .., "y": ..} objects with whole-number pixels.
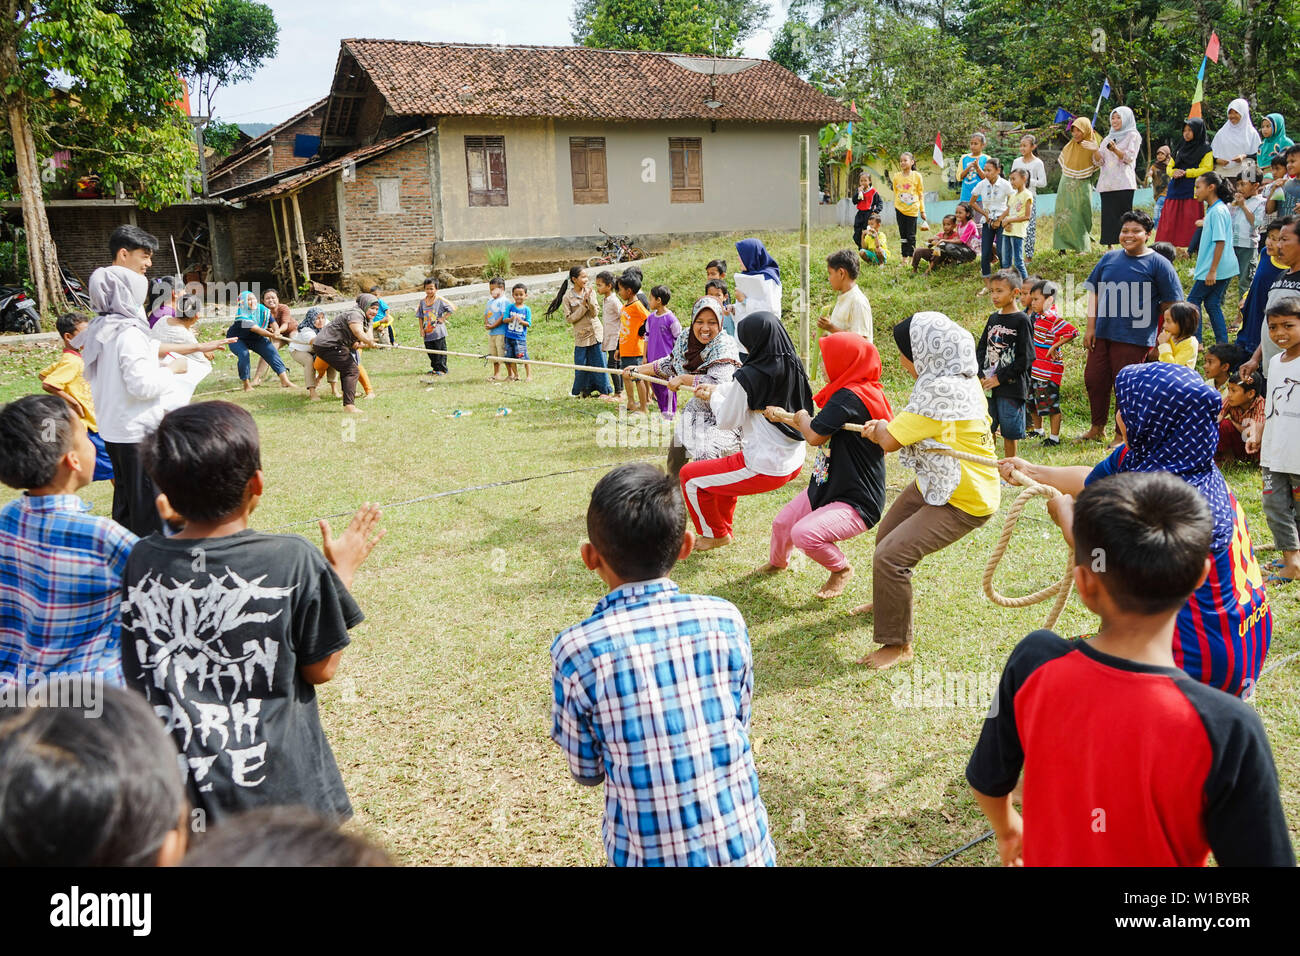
[
  {"x": 241, "y": 35},
  {"x": 99, "y": 79},
  {"x": 717, "y": 27},
  {"x": 221, "y": 136}
]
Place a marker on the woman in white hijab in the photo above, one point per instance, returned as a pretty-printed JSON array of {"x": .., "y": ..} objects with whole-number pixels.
[
  {"x": 1117, "y": 156},
  {"x": 1236, "y": 141}
]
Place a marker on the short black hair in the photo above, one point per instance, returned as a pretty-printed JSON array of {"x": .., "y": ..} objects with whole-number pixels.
[
  {"x": 628, "y": 281},
  {"x": 635, "y": 272},
  {"x": 35, "y": 432},
  {"x": 1229, "y": 354},
  {"x": 606, "y": 277},
  {"x": 430, "y": 280},
  {"x": 1292, "y": 151},
  {"x": 266, "y": 292},
  {"x": 1046, "y": 287},
  {"x": 662, "y": 293},
  {"x": 189, "y": 307},
  {"x": 637, "y": 520},
  {"x": 1166, "y": 249},
  {"x": 875, "y": 217},
  {"x": 201, "y": 456},
  {"x": 86, "y": 790},
  {"x": 719, "y": 264},
  {"x": 130, "y": 238},
  {"x": 993, "y": 161},
  {"x": 716, "y": 284},
  {"x": 1148, "y": 535},
  {"x": 1186, "y": 316},
  {"x": 282, "y": 836},
  {"x": 1254, "y": 382},
  {"x": 1140, "y": 217},
  {"x": 517, "y": 286},
  {"x": 1010, "y": 276},
  {"x": 496, "y": 281},
  {"x": 372, "y": 290},
  {"x": 845, "y": 259},
  {"x": 67, "y": 323},
  {"x": 1287, "y": 305},
  {"x": 1289, "y": 222}
]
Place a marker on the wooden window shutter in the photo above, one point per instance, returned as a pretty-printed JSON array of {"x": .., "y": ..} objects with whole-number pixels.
[
  {"x": 485, "y": 170},
  {"x": 687, "y": 169},
  {"x": 587, "y": 165}
]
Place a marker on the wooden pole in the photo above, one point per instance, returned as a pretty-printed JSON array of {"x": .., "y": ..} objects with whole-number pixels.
[
  {"x": 279, "y": 256},
  {"x": 805, "y": 302},
  {"x": 302, "y": 243},
  {"x": 288, "y": 249}
]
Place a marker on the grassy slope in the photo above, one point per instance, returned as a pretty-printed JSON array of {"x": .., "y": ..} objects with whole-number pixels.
[{"x": 440, "y": 713}]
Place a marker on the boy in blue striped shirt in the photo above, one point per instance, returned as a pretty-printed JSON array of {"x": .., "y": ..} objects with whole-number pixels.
[
  {"x": 60, "y": 568},
  {"x": 652, "y": 691}
]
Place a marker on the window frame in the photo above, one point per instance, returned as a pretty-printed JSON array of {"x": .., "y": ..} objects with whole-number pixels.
[
  {"x": 685, "y": 146},
  {"x": 588, "y": 146},
  {"x": 485, "y": 147}
]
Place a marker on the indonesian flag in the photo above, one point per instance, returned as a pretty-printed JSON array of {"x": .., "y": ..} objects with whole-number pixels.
[
  {"x": 848, "y": 149},
  {"x": 938, "y": 149}
]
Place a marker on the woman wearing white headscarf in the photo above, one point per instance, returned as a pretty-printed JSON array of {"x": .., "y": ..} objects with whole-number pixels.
[
  {"x": 949, "y": 498},
  {"x": 130, "y": 388},
  {"x": 1117, "y": 156},
  {"x": 1236, "y": 141}
]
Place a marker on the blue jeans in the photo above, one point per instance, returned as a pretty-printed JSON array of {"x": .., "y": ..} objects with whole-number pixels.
[
  {"x": 1160, "y": 207},
  {"x": 263, "y": 348},
  {"x": 989, "y": 240},
  {"x": 1011, "y": 250},
  {"x": 1212, "y": 297},
  {"x": 584, "y": 383}
]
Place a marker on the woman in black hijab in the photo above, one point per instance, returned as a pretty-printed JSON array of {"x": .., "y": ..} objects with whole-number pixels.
[
  {"x": 772, "y": 453},
  {"x": 1191, "y": 157}
]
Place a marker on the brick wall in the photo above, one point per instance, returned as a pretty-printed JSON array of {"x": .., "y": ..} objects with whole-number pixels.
[
  {"x": 282, "y": 142},
  {"x": 81, "y": 233},
  {"x": 245, "y": 172},
  {"x": 388, "y": 243},
  {"x": 251, "y": 240}
]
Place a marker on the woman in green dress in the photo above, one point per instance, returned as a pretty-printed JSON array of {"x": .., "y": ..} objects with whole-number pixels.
[{"x": 1073, "y": 226}]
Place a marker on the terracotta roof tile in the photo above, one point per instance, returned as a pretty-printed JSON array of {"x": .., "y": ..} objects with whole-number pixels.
[
  {"x": 452, "y": 79},
  {"x": 358, "y": 156}
]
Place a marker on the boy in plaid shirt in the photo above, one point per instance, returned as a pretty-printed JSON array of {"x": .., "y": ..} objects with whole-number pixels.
[
  {"x": 652, "y": 692},
  {"x": 1050, "y": 333},
  {"x": 60, "y": 568}
]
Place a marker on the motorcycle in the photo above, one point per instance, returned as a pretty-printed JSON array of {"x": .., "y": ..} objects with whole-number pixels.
[
  {"x": 18, "y": 312},
  {"x": 74, "y": 290}
]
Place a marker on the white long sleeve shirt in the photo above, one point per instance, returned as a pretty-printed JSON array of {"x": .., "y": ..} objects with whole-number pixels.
[
  {"x": 767, "y": 449},
  {"x": 129, "y": 385}
]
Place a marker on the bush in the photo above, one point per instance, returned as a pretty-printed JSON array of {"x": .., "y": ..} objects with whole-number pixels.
[{"x": 498, "y": 263}]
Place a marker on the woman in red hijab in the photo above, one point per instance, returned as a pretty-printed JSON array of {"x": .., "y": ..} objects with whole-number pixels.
[{"x": 846, "y": 493}]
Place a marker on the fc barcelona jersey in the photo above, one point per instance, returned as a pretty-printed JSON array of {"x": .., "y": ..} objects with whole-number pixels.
[{"x": 1224, "y": 629}]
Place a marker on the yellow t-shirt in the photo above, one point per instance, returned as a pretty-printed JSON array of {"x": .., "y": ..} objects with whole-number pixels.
[
  {"x": 909, "y": 194},
  {"x": 1017, "y": 206},
  {"x": 67, "y": 375},
  {"x": 1180, "y": 353},
  {"x": 977, "y": 493}
]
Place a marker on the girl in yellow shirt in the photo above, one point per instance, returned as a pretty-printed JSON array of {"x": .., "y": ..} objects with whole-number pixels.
[
  {"x": 909, "y": 204},
  {"x": 1177, "y": 342}
]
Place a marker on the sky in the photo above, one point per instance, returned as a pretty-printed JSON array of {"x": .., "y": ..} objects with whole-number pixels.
[{"x": 310, "y": 31}]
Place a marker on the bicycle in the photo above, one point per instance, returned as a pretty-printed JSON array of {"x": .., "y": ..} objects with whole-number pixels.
[{"x": 615, "y": 249}]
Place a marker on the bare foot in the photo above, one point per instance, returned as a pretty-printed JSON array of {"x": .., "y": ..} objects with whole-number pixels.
[
  {"x": 311, "y": 394},
  {"x": 1092, "y": 434},
  {"x": 708, "y": 544},
  {"x": 864, "y": 608},
  {"x": 768, "y": 568},
  {"x": 883, "y": 658},
  {"x": 369, "y": 395},
  {"x": 835, "y": 584},
  {"x": 334, "y": 391},
  {"x": 256, "y": 382},
  {"x": 352, "y": 408},
  {"x": 248, "y": 386}
]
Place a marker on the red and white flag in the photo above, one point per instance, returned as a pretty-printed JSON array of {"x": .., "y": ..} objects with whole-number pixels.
[
  {"x": 938, "y": 149},
  {"x": 1212, "y": 48}
]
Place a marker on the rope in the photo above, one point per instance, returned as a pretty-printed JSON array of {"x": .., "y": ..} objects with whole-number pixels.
[{"x": 599, "y": 369}]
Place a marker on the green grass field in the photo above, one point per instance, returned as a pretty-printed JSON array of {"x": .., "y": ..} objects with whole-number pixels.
[{"x": 440, "y": 713}]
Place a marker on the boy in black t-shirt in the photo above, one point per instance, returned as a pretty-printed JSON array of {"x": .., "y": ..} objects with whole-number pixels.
[
  {"x": 226, "y": 631},
  {"x": 1128, "y": 761},
  {"x": 1005, "y": 354}
]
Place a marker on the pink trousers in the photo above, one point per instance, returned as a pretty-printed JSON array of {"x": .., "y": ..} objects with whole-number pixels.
[{"x": 814, "y": 532}]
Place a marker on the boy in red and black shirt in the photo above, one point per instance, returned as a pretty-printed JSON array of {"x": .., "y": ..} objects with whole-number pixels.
[
  {"x": 1127, "y": 760},
  {"x": 1050, "y": 333}
]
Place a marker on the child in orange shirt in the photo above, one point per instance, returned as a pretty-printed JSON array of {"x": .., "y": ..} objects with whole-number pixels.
[{"x": 631, "y": 338}]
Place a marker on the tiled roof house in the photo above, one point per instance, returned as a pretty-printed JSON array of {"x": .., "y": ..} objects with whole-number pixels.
[{"x": 431, "y": 153}]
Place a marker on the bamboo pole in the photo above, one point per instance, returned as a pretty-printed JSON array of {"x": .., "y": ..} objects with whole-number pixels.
[
  {"x": 302, "y": 243},
  {"x": 805, "y": 225},
  {"x": 288, "y": 251},
  {"x": 280, "y": 274}
]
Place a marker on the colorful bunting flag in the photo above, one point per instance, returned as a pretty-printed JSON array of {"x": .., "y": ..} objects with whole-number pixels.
[
  {"x": 938, "y": 149},
  {"x": 1063, "y": 115},
  {"x": 1211, "y": 53},
  {"x": 1212, "y": 48},
  {"x": 848, "y": 150}
]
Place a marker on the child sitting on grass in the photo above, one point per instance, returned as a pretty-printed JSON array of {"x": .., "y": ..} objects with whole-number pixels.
[
  {"x": 1242, "y": 416},
  {"x": 1221, "y": 360},
  {"x": 518, "y": 319},
  {"x": 1177, "y": 340},
  {"x": 874, "y": 250},
  {"x": 1050, "y": 333},
  {"x": 928, "y": 252},
  {"x": 227, "y": 630},
  {"x": 60, "y": 568},
  {"x": 669, "y": 739},
  {"x": 66, "y": 379},
  {"x": 1169, "y": 770},
  {"x": 86, "y": 789}
]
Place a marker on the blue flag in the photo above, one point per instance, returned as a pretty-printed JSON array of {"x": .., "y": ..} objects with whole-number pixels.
[
  {"x": 1105, "y": 89},
  {"x": 1063, "y": 116}
]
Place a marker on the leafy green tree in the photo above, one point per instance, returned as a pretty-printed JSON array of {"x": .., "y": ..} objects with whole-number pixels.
[
  {"x": 221, "y": 136},
  {"x": 717, "y": 27},
  {"x": 241, "y": 35},
  {"x": 98, "y": 78}
]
